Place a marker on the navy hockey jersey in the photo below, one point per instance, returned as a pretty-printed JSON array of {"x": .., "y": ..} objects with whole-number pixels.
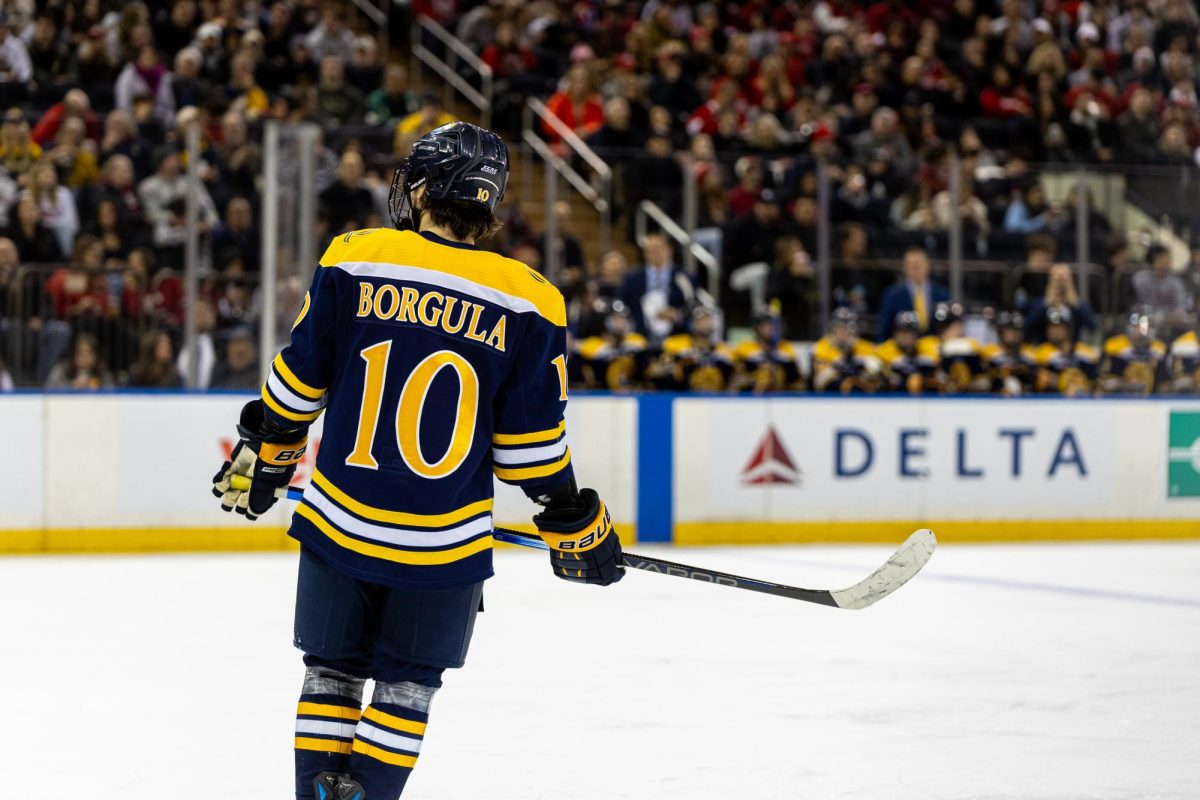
[{"x": 436, "y": 365}]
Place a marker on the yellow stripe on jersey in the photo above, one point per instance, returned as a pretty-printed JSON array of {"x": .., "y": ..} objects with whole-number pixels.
[
  {"x": 386, "y": 756},
  {"x": 295, "y": 384},
  {"x": 398, "y": 517},
  {"x": 416, "y": 557},
  {"x": 394, "y": 722},
  {"x": 386, "y": 246},
  {"x": 322, "y": 745},
  {"x": 525, "y": 473},
  {"x": 327, "y": 710},
  {"x": 287, "y": 413},
  {"x": 529, "y": 438}
]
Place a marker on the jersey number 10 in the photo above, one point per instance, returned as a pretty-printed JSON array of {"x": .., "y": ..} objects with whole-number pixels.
[{"x": 411, "y": 408}]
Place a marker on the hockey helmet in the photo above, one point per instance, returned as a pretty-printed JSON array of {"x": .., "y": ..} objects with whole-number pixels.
[
  {"x": 704, "y": 322},
  {"x": 1058, "y": 315},
  {"x": 617, "y": 319},
  {"x": 907, "y": 321},
  {"x": 458, "y": 162},
  {"x": 946, "y": 314},
  {"x": 1140, "y": 326},
  {"x": 1010, "y": 320}
]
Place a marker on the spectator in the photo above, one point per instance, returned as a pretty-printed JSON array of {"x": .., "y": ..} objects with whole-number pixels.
[
  {"x": 163, "y": 196},
  {"x": 1060, "y": 293},
  {"x": 175, "y": 28},
  {"x": 429, "y": 115},
  {"x": 155, "y": 365},
  {"x": 245, "y": 96},
  {"x": 73, "y": 157},
  {"x": 337, "y": 103},
  {"x": 36, "y": 244},
  {"x": 113, "y": 234},
  {"x": 238, "y": 161},
  {"x": 671, "y": 88},
  {"x": 917, "y": 293},
  {"x": 660, "y": 294},
  {"x": 16, "y": 69},
  {"x": 885, "y": 141},
  {"x": 616, "y": 141},
  {"x": 74, "y": 105},
  {"x": 1029, "y": 212},
  {"x": 1161, "y": 289},
  {"x": 348, "y": 204},
  {"x": 123, "y": 137},
  {"x": 117, "y": 184},
  {"x": 791, "y": 285},
  {"x": 1139, "y": 129},
  {"x": 364, "y": 72},
  {"x": 748, "y": 250},
  {"x": 206, "y": 324},
  {"x": 188, "y": 88},
  {"x": 331, "y": 38},
  {"x": 239, "y": 368},
  {"x": 147, "y": 77},
  {"x": 83, "y": 370},
  {"x": 52, "y": 61},
  {"x": 577, "y": 105},
  {"x": 56, "y": 204},
  {"x": 18, "y": 151},
  {"x": 238, "y": 234},
  {"x": 393, "y": 100}
]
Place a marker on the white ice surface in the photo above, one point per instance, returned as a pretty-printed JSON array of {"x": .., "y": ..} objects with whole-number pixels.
[{"x": 164, "y": 677}]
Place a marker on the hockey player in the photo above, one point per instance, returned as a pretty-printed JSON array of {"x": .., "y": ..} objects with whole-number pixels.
[
  {"x": 1134, "y": 362},
  {"x": 615, "y": 359},
  {"x": 1185, "y": 363},
  {"x": 1011, "y": 361},
  {"x": 909, "y": 362},
  {"x": 1065, "y": 366},
  {"x": 766, "y": 363},
  {"x": 960, "y": 358},
  {"x": 697, "y": 361},
  {"x": 437, "y": 365},
  {"x": 842, "y": 362}
]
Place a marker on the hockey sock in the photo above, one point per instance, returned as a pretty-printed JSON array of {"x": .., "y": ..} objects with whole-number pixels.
[
  {"x": 388, "y": 738},
  {"x": 330, "y": 707}
]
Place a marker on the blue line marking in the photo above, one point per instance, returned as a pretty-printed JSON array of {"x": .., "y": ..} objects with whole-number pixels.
[{"x": 655, "y": 468}]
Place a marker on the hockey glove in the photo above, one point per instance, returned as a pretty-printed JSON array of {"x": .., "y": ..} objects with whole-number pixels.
[
  {"x": 266, "y": 455},
  {"x": 583, "y": 545}
]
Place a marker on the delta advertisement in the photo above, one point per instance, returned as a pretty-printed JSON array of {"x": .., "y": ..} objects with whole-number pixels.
[{"x": 762, "y": 469}]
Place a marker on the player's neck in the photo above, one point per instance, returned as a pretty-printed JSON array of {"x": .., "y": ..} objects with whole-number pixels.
[{"x": 444, "y": 233}]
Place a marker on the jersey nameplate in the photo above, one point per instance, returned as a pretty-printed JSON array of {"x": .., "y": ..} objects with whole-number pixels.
[{"x": 389, "y": 303}]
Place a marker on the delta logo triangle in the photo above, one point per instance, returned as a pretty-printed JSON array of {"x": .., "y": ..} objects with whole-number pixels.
[{"x": 771, "y": 465}]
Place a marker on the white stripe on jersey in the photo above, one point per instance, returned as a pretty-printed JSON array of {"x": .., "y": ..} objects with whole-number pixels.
[
  {"x": 370, "y": 269},
  {"x": 529, "y": 455},
  {"x": 344, "y": 729},
  {"x": 401, "y": 537},
  {"x": 290, "y": 399}
]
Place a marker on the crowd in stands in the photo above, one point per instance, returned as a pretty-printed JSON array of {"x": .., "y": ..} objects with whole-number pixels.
[
  {"x": 925, "y": 344},
  {"x": 747, "y": 99}
]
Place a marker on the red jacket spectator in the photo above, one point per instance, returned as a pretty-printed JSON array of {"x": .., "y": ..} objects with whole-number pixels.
[
  {"x": 579, "y": 108},
  {"x": 75, "y": 103}
]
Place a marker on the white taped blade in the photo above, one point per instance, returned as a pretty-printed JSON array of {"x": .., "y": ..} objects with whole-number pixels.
[{"x": 899, "y": 569}]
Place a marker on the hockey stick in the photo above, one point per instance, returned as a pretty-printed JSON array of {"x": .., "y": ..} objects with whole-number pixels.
[{"x": 897, "y": 571}]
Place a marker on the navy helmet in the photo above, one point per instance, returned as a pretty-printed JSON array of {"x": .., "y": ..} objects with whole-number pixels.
[
  {"x": 908, "y": 321},
  {"x": 458, "y": 162}
]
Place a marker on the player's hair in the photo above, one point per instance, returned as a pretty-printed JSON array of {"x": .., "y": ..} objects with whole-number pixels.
[{"x": 467, "y": 221}]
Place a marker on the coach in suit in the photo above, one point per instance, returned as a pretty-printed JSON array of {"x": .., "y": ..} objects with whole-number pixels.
[
  {"x": 916, "y": 294},
  {"x": 659, "y": 294}
]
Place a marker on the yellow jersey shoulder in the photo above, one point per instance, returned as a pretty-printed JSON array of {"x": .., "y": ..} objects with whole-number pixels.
[
  {"x": 679, "y": 343},
  {"x": 387, "y": 246},
  {"x": 1187, "y": 344}
]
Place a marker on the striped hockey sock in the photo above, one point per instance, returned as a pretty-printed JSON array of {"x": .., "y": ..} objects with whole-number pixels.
[
  {"x": 329, "y": 710},
  {"x": 388, "y": 738}
]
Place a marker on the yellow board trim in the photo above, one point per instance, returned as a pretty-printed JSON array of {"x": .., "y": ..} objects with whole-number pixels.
[
  {"x": 398, "y": 517},
  {"x": 948, "y": 531},
  {"x": 530, "y": 438},
  {"x": 287, "y": 413},
  {"x": 295, "y": 384},
  {"x": 322, "y": 745},
  {"x": 524, "y": 473},
  {"x": 328, "y": 710},
  {"x": 144, "y": 540},
  {"x": 386, "y": 756},
  {"x": 420, "y": 558},
  {"x": 394, "y": 722}
]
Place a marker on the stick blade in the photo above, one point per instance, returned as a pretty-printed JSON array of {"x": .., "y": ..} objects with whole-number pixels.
[{"x": 899, "y": 570}]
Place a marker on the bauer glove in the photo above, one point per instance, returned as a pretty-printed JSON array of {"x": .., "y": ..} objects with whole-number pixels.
[
  {"x": 583, "y": 545},
  {"x": 265, "y": 455}
]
